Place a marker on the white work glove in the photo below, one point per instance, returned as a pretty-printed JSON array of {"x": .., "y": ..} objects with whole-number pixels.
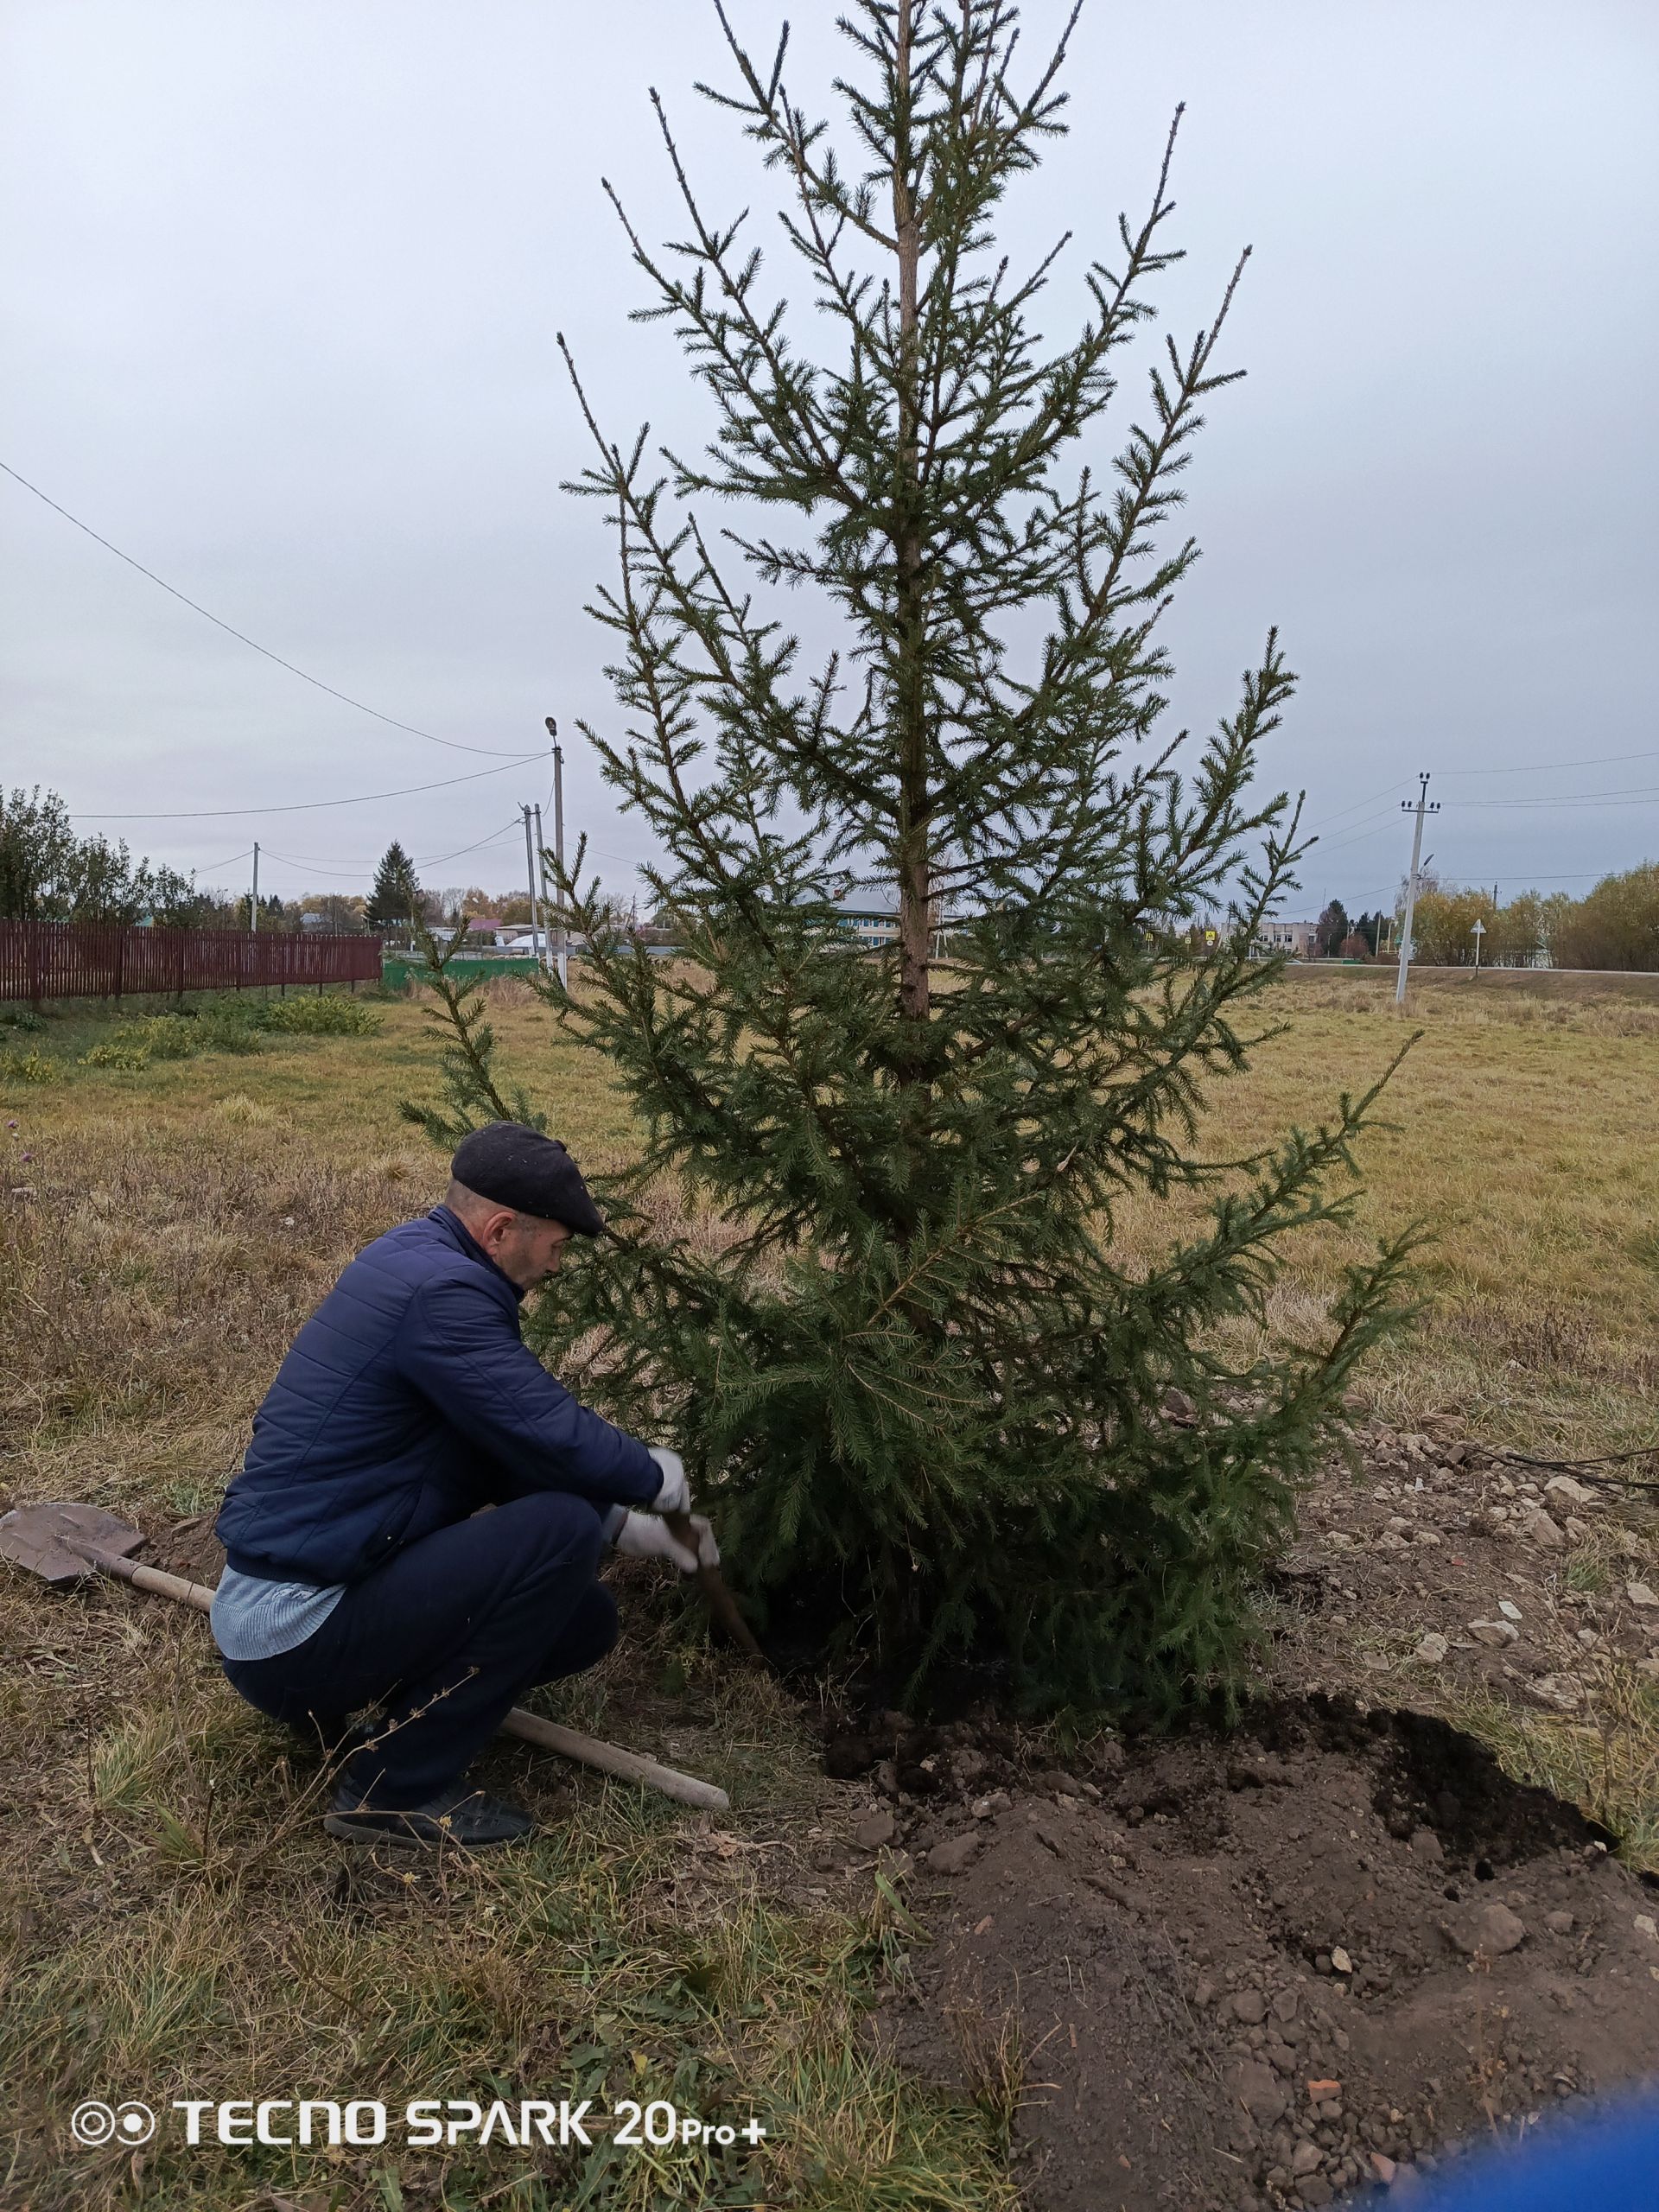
[
  {"x": 642, "y": 1535},
  {"x": 675, "y": 1496}
]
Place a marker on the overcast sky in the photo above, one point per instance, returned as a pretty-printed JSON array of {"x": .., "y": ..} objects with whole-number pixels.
[{"x": 280, "y": 280}]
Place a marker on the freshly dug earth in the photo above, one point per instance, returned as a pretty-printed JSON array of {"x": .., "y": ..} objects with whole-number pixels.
[{"x": 1260, "y": 1970}]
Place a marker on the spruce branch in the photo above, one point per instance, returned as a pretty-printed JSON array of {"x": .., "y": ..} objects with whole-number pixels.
[{"x": 467, "y": 1064}]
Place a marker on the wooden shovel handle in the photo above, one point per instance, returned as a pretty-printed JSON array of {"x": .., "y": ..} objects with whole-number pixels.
[
  {"x": 611, "y": 1758},
  {"x": 721, "y": 1604},
  {"x": 153, "y": 1579},
  {"x": 529, "y": 1728},
  {"x": 161, "y": 1585}
]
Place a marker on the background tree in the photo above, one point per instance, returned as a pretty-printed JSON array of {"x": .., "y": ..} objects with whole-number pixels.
[
  {"x": 273, "y": 915},
  {"x": 1616, "y": 926},
  {"x": 1443, "y": 922},
  {"x": 1516, "y": 939},
  {"x": 1515, "y": 936},
  {"x": 49, "y": 873},
  {"x": 394, "y": 896},
  {"x": 39, "y": 857},
  {"x": 339, "y": 913},
  {"x": 870, "y": 1269},
  {"x": 1333, "y": 927}
]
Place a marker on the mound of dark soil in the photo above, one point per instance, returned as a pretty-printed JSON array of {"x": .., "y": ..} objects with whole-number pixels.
[{"x": 1258, "y": 1970}]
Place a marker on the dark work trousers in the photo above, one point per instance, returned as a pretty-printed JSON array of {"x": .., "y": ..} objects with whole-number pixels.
[{"x": 443, "y": 1639}]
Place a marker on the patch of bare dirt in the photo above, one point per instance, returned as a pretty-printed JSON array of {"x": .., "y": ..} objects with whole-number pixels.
[
  {"x": 189, "y": 1549},
  {"x": 1261, "y": 1970},
  {"x": 1451, "y": 1573}
]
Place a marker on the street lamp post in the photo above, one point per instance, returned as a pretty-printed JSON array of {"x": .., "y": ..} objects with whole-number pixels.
[{"x": 558, "y": 850}]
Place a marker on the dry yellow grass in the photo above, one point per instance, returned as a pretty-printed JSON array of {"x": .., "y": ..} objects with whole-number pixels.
[
  {"x": 187, "y": 1216},
  {"x": 1523, "y": 1131},
  {"x": 181, "y": 1221}
]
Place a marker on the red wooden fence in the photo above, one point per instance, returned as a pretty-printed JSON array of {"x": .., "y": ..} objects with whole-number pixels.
[{"x": 79, "y": 960}]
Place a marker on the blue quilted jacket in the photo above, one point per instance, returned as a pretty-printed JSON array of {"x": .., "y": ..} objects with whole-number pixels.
[{"x": 408, "y": 1401}]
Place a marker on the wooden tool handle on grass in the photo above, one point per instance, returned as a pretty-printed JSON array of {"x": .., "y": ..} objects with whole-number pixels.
[
  {"x": 722, "y": 1607},
  {"x": 529, "y": 1727},
  {"x": 611, "y": 1758},
  {"x": 156, "y": 1579}
]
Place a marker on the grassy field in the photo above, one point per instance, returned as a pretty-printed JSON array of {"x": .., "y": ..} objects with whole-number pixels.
[
  {"x": 1523, "y": 1131},
  {"x": 179, "y": 1926}
]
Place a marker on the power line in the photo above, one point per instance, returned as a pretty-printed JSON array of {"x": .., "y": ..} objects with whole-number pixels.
[
  {"x": 436, "y": 859},
  {"x": 1387, "y": 793},
  {"x": 314, "y": 868},
  {"x": 1583, "y": 876},
  {"x": 1542, "y": 767},
  {"x": 1357, "y": 830},
  {"x": 1568, "y": 798},
  {"x": 242, "y": 637},
  {"x": 1532, "y": 768},
  {"x": 301, "y": 806},
  {"x": 367, "y": 868}
]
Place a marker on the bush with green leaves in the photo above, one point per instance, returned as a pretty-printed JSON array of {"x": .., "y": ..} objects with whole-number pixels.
[
  {"x": 229, "y": 1025},
  {"x": 27, "y": 1067},
  {"x": 152, "y": 1037},
  {"x": 329, "y": 1013},
  {"x": 868, "y": 1271},
  {"x": 125, "y": 1049}
]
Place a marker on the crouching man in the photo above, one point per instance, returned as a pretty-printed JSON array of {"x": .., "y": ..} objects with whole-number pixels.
[{"x": 360, "y": 1571}]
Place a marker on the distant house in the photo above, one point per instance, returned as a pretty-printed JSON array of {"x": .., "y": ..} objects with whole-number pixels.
[
  {"x": 520, "y": 938},
  {"x": 870, "y": 914},
  {"x": 1296, "y": 938},
  {"x": 485, "y": 933}
]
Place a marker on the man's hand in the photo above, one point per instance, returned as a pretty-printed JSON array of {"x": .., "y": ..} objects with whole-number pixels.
[
  {"x": 642, "y": 1535},
  {"x": 675, "y": 1496}
]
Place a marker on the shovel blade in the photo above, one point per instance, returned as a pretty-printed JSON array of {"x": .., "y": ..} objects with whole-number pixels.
[{"x": 44, "y": 1538}]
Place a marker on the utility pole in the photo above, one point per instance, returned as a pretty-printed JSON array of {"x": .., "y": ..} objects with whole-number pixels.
[
  {"x": 253, "y": 903},
  {"x": 558, "y": 850},
  {"x": 544, "y": 947},
  {"x": 530, "y": 870},
  {"x": 1422, "y": 806}
]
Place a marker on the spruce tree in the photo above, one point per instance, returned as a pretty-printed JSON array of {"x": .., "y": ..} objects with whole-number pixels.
[
  {"x": 873, "y": 1269},
  {"x": 396, "y": 896}
]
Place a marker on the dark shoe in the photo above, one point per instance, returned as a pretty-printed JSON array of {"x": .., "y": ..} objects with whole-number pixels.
[{"x": 466, "y": 1817}]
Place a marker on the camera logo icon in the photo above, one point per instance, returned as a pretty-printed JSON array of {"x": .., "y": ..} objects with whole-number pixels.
[{"x": 96, "y": 2124}]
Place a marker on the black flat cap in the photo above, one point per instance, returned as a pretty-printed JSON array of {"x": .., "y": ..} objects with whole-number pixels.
[{"x": 520, "y": 1167}]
